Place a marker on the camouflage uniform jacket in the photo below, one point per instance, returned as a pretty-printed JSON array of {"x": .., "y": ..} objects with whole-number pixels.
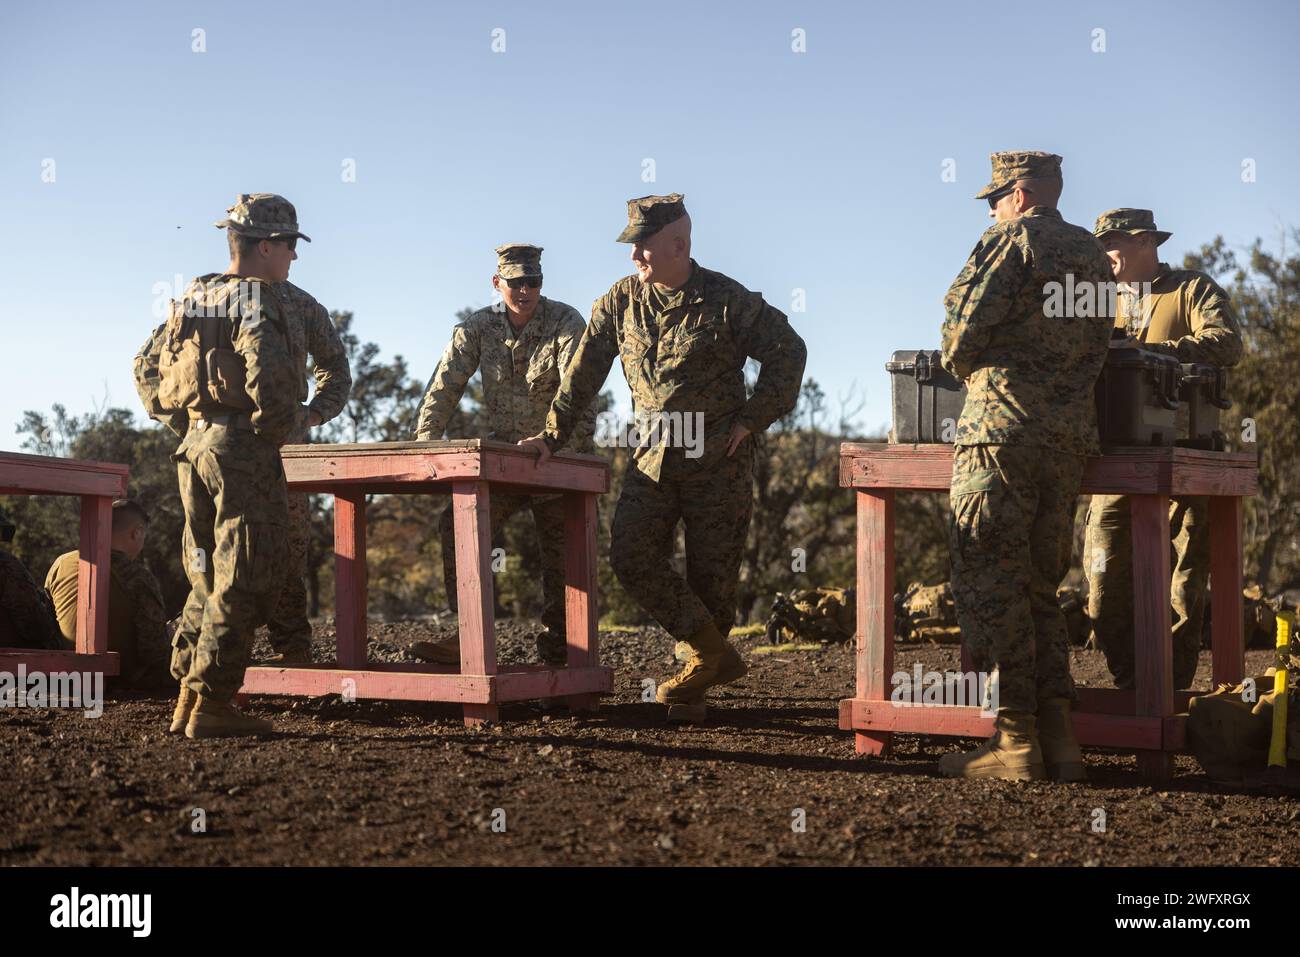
[
  {"x": 26, "y": 614},
  {"x": 309, "y": 330},
  {"x": 1029, "y": 376},
  {"x": 312, "y": 332},
  {"x": 258, "y": 334},
  {"x": 688, "y": 358},
  {"x": 521, "y": 372},
  {"x": 1186, "y": 315}
]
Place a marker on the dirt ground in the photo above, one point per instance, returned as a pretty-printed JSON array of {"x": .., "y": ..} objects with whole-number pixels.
[{"x": 386, "y": 783}]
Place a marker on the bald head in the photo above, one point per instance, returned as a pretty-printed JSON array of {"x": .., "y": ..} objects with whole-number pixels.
[{"x": 664, "y": 258}]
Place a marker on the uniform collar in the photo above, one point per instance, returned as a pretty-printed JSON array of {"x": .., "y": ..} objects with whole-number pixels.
[
  {"x": 689, "y": 293},
  {"x": 1047, "y": 211}
]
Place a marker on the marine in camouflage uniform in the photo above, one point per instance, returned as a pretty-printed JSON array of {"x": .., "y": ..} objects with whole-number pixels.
[
  {"x": 137, "y": 623},
  {"x": 683, "y": 350},
  {"x": 26, "y": 615},
  {"x": 521, "y": 369},
  {"x": 1026, "y": 427},
  {"x": 228, "y": 463},
  {"x": 1187, "y": 315},
  {"x": 311, "y": 332}
]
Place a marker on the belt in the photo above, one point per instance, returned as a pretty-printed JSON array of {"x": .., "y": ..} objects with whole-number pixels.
[{"x": 231, "y": 420}]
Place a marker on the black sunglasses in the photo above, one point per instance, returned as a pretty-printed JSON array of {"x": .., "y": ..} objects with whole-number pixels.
[
  {"x": 532, "y": 282},
  {"x": 997, "y": 197},
  {"x": 291, "y": 242}
]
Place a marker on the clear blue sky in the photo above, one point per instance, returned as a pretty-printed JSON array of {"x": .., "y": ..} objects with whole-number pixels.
[{"x": 816, "y": 170}]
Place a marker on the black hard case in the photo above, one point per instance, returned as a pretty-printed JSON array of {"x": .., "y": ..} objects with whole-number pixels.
[
  {"x": 927, "y": 399},
  {"x": 1137, "y": 398},
  {"x": 1203, "y": 389}
]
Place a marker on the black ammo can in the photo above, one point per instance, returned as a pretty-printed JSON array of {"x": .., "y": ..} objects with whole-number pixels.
[
  {"x": 927, "y": 398},
  {"x": 1137, "y": 398},
  {"x": 1203, "y": 389}
]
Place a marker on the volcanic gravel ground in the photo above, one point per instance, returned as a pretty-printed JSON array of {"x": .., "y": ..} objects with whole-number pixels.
[{"x": 385, "y": 783}]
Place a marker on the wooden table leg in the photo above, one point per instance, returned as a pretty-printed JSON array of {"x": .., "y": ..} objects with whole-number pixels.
[
  {"x": 581, "y": 609},
  {"x": 93, "y": 573},
  {"x": 350, "y": 578},
  {"x": 1227, "y": 643},
  {"x": 875, "y": 639},
  {"x": 1152, "y": 630},
  {"x": 472, "y": 511}
]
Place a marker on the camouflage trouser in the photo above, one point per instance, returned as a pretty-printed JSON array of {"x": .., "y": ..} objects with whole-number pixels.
[
  {"x": 1011, "y": 531},
  {"x": 1108, "y": 563},
  {"x": 714, "y": 501},
  {"x": 288, "y": 627},
  {"x": 548, "y": 516},
  {"x": 236, "y": 517}
]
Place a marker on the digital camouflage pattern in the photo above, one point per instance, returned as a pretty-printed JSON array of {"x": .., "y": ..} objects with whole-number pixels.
[
  {"x": 311, "y": 332},
  {"x": 26, "y": 614},
  {"x": 146, "y": 382},
  {"x": 521, "y": 372},
  {"x": 684, "y": 351},
  {"x": 1129, "y": 220},
  {"x": 1108, "y": 564},
  {"x": 1029, "y": 378},
  {"x": 713, "y": 498},
  {"x": 1014, "y": 165},
  {"x": 262, "y": 215},
  {"x": 1186, "y": 315},
  {"x": 1011, "y": 533},
  {"x": 235, "y": 548},
  {"x": 137, "y": 621},
  {"x": 519, "y": 260},
  {"x": 233, "y": 490},
  {"x": 646, "y": 215}
]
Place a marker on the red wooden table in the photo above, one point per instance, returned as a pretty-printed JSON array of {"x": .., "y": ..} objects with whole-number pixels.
[
  {"x": 97, "y": 484},
  {"x": 471, "y": 470},
  {"x": 1150, "y": 718}
]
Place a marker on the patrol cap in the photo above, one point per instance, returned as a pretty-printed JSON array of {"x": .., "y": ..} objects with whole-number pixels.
[
  {"x": 516, "y": 260},
  {"x": 262, "y": 216},
  {"x": 646, "y": 215},
  {"x": 1128, "y": 220},
  {"x": 1016, "y": 165}
]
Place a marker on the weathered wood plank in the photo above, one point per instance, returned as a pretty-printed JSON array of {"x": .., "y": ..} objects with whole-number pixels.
[
  {"x": 471, "y": 690},
  {"x": 22, "y": 474},
  {"x": 93, "y": 570},
  {"x": 49, "y": 662},
  {"x": 472, "y": 510},
  {"x": 581, "y": 608},
  {"x": 350, "y": 577},
  {"x": 875, "y": 610},
  {"x": 1226, "y": 562}
]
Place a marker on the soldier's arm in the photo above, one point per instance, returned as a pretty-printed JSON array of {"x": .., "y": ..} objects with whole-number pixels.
[
  {"x": 146, "y": 382},
  {"x": 29, "y": 607},
  {"x": 584, "y": 376},
  {"x": 329, "y": 365},
  {"x": 270, "y": 378},
  {"x": 570, "y": 337},
  {"x": 447, "y": 384},
  {"x": 977, "y": 301},
  {"x": 766, "y": 335},
  {"x": 1216, "y": 336}
]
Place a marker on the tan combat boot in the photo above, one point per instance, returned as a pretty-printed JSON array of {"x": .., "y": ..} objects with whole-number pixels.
[
  {"x": 220, "y": 719},
  {"x": 714, "y": 662},
  {"x": 444, "y": 652},
  {"x": 184, "y": 705},
  {"x": 1012, "y": 754},
  {"x": 1061, "y": 755}
]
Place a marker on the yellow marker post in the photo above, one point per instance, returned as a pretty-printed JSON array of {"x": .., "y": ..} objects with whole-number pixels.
[{"x": 1277, "y": 745}]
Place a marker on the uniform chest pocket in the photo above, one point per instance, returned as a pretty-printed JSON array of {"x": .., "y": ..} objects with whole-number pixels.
[
  {"x": 707, "y": 340},
  {"x": 495, "y": 363},
  {"x": 633, "y": 353},
  {"x": 543, "y": 374}
]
